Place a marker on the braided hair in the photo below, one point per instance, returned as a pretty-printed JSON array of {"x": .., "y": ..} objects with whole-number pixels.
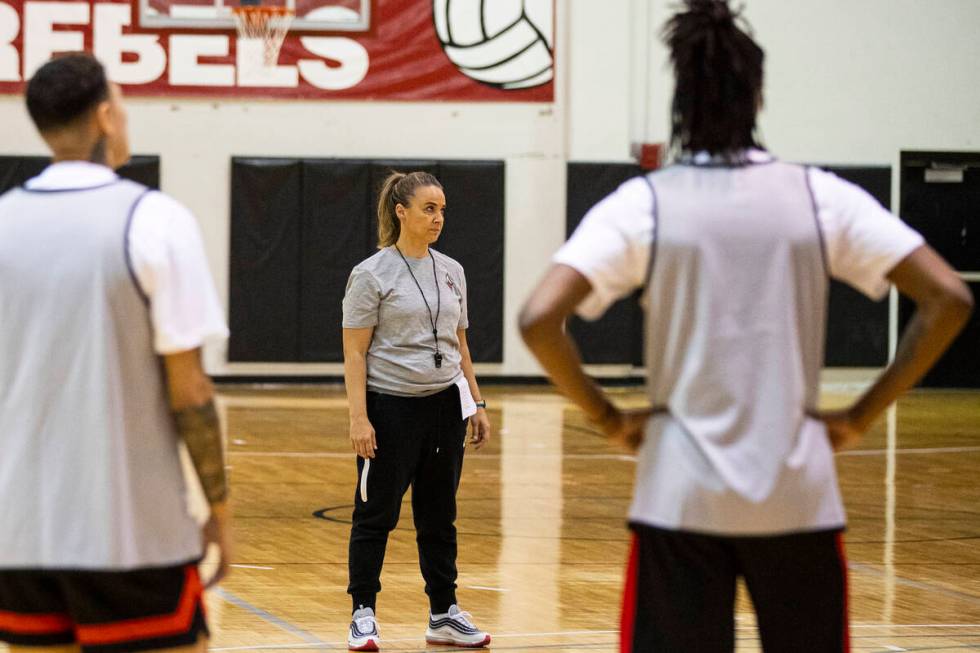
[{"x": 718, "y": 72}]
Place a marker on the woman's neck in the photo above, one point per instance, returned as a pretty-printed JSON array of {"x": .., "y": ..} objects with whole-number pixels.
[{"x": 411, "y": 248}]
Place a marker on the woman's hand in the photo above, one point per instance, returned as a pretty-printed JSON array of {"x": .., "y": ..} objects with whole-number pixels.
[
  {"x": 480, "y": 431},
  {"x": 362, "y": 438}
]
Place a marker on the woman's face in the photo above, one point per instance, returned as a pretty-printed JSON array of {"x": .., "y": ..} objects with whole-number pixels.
[{"x": 424, "y": 216}]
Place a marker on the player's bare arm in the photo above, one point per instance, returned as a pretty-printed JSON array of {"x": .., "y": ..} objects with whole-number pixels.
[
  {"x": 542, "y": 325},
  {"x": 200, "y": 429},
  {"x": 943, "y": 305},
  {"x": 192, "y": 403}
]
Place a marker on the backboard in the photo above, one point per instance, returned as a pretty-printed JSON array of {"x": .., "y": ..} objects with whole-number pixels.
[{"x": 311, "y": 15}]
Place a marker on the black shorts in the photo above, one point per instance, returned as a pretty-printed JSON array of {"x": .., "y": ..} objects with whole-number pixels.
[
  {"x": 103, "y": 611},
  {"x": 680, "y": 591}
]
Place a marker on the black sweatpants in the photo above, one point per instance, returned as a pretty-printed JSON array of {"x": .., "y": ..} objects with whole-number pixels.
[
  {"x": 680, "y": 592},
  {"x": 420, "y": 444}
]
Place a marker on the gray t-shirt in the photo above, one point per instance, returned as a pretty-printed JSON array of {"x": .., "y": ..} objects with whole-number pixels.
[{"x": 381, "y": 294}]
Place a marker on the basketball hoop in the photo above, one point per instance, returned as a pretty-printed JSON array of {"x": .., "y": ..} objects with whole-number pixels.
[{"x": 266, "y": 24}]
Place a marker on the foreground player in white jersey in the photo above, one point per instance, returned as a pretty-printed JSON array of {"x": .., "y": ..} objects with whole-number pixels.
[
  {"x": 735, "y": 473},
  {"x": 100, "y": 278}
]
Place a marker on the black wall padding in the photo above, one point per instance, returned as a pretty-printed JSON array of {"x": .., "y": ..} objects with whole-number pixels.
[
  {"x": 959, "y": 367},
  {"x": 857, "y": 328},
  {"x": 474, "y": 236},
  {"x": 265, "y": 260},
  {"x": 336, "y": 236},
  {"x": 617, "y": 337},
  {"x": 15, "y": 170},
  {"x": 946, "y": 214},
  {"x": 142, "y": 169},
  {"x": 289, "y": 308}
]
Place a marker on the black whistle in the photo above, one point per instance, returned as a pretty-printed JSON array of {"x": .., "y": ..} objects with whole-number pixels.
[{"x": 438, "y": 357}]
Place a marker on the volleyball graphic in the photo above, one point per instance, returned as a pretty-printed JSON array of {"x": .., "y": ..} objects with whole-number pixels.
[{"x": 503, "y": 43}]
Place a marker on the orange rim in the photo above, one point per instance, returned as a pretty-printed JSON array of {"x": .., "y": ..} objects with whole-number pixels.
[{"x": 257, "y": 10}]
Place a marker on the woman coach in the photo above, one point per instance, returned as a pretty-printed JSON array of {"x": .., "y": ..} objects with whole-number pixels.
[{"x": 411, "y": 390}]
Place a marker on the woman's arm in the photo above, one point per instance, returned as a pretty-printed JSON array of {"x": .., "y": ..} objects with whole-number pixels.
[
  {"x": 542, "y": 324},
  {"x": 356, "y": 343},
  {"x": 481, "y": 423}
]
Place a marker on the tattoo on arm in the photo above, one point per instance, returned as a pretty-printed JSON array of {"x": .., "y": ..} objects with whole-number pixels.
[{"x": 199, "y": 427}]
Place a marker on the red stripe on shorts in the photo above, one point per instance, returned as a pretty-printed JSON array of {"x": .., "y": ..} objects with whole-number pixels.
[
  {"x": 843, "y": 571},
  {"x": 149, "y": 627},
  {"x": 35, "y": 624},
  {"x": 626, "y": 627}
]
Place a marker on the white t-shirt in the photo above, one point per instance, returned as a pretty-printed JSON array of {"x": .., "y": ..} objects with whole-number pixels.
[
  {"x": 612, "y": 245},
  {"x": 167, "y": 254}
]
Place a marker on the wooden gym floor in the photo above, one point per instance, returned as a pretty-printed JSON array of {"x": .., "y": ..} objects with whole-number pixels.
[{"x": 542, "y": 535}]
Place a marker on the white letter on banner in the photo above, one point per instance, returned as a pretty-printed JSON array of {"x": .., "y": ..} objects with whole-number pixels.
[
  {"x": 352, "y": 56},
  {"x": 111, "y": 43},
  {"x": 41, "y": 41},
  {"x": 186, "y": 70},
  {"x": 251, "y": 72},
  {"x": 9, "y": 29}
]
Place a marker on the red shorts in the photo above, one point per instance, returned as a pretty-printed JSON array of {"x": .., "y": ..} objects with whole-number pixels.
[{"x": 103, "y": 611}]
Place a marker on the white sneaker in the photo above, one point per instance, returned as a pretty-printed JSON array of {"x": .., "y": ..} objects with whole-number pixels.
[
  {"x": 363, "y": 634},
  {"x": 455, "y": 629}
]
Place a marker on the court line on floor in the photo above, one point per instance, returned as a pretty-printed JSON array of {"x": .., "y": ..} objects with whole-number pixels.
[
  {"x": 403, "y": 640},
  {"x": 486, "y": 589},
  {"x": 312, "y": 640},
  {"x": 270, "y": 647},
  {"x": 427, "y": 648},
  {"x": 917, "y": 584},
  {"x": 911, "y": 451},
  {"x": 958, "y": 647},
  {"x": 915, "y": 625},
  {"x": 589, "y": 456},
  {"x": 346, "y": 455},
  {"x": 256, "y": 400},
  {"x": 573, "y": 633}
]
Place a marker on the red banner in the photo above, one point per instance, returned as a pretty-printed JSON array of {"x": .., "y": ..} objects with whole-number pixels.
[{"x": 411, "y": 50}]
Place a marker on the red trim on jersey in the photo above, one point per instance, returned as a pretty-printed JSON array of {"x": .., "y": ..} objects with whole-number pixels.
[
  {"x": 35, "y": 624},
  {"x": 843, "y": 571},
  {"x": 628, "y": 621},
  {"x": 149, "y": 627}
]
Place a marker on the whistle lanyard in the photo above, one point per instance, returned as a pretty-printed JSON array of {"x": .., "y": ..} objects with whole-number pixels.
[{"x": 433, "y": 321}]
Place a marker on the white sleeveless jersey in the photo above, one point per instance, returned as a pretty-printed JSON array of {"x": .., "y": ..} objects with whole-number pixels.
[
  {"x": 735, "y": 263},
  {"x": 90, "y": 476},
  {"x": 736, "y": 309}
]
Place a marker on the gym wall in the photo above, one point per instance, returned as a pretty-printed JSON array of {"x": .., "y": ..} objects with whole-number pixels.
[{"x": 844, "y": 87}]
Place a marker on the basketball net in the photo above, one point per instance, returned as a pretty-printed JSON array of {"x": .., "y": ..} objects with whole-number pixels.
[{"x": 264, "y": 24}]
